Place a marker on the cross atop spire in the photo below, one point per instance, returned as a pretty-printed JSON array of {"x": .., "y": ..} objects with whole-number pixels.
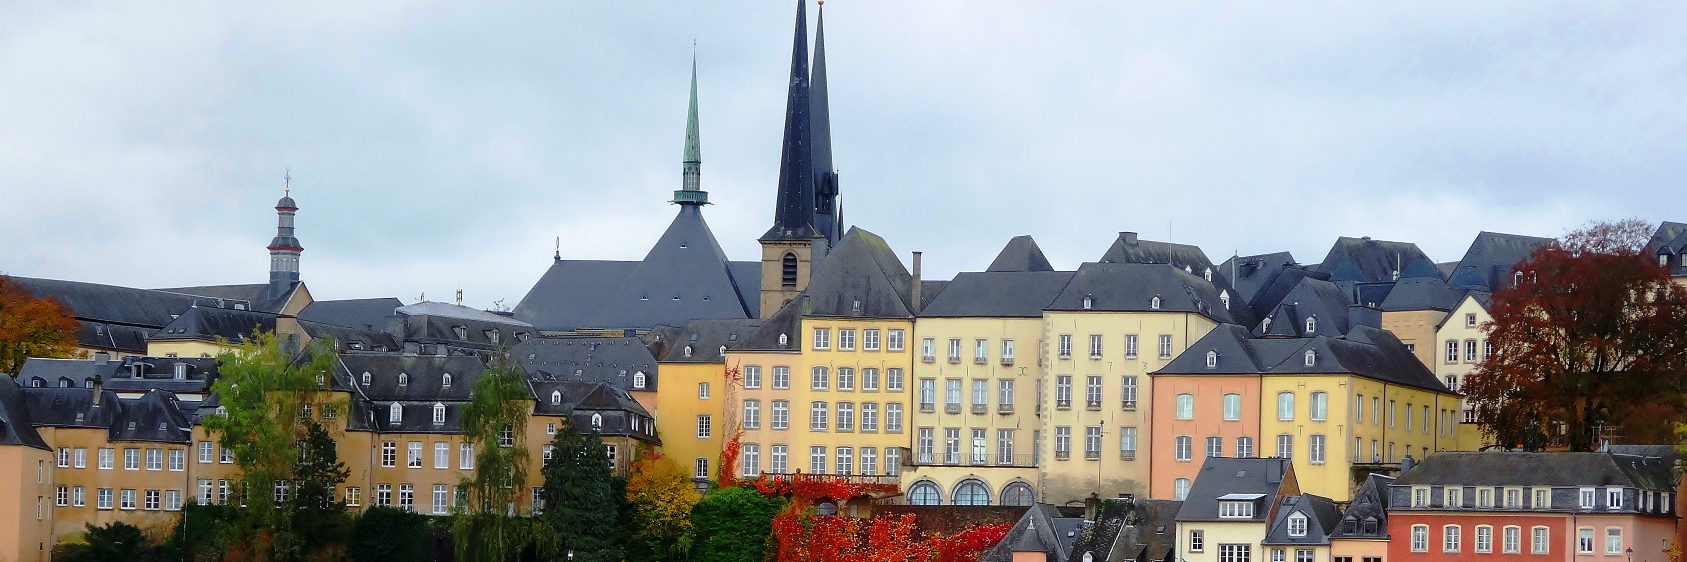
[{"x": 287, "y": 181}]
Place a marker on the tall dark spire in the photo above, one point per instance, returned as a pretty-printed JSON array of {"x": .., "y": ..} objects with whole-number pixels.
[
  {"x": 794, "y": 214},
  {"x": 690, "y": 192},
  {"x": 827, "y": 219}
]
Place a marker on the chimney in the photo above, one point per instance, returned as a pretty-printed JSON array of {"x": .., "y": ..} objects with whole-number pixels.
[
  {"x": 99, "y": 388},
  {"x": 1407, "y": 463},
  {"x": 101, "y": 358},
  {"x": 914, "y": 290},
  {"x": 1128, "y": 237},
  {"x": 1092, "y": 507}
]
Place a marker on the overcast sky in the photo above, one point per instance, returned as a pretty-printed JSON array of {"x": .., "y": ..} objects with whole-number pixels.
[{"x": 443, "y": 145}]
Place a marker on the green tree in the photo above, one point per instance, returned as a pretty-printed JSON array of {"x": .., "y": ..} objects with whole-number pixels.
[
  {"x": 116, "y": 542},
  {"x": 732, "y": 525},
  {"x": 660, "y": 497},
  {"x": 387, "y": 534},
  {"x": 579, "y": 495},
  {"x": 494, "y": 421},
  {"x": 261, "y": 384}
]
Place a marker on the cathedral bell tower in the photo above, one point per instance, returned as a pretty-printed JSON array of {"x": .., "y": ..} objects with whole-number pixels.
[{"x": 806, "y": 221}]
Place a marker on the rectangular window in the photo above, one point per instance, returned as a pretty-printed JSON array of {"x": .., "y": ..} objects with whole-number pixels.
[
  {"x": 1587, "y": 497},
  {"x": 1613, "y": 498},
  {"x": 1320, "y": 406},
  {"x": 1165, "y": 347},
  {"x": 1315, "y": 448},
  {"x": 1004, "y": 395},
  {"x": 980, "y": 350},
  {"x": 869, "y": 416},
  {"x": 846, "y": 339},
  {"x": 1004, "y": 446},
  {"x": 1095, "y": 346},
  {"x": 1092, "y": 392},
  {"x": 752, "y": 376},
  {"x": 952, "y": 396},
  {"x": 817, "y": 459},
  {"x": 1215, "y": 447},
  {"x": 441, "y": 499},
  {"x": 126, "y": 499},
  {"x": 928, "y": 349},
  {"x": 869, "y": 379},
  {"x": 1130, "y": 346},
  {"x": 1420, "y": 538},
  {"x": 819, "y": 378},
  {"x": 822, "y": 338},
  {"x": 1285, "y": 406},
  {"x": 1062, "y": 442},
  {"x": 1092, "y": 442},
  {"x": 846, "y": 416},
  {"x": 389, "y": 454},
  {"x": 62, "y": 498},
  {"x": 1063, "y": 391},
  {"x": 1420, "y": 496},
  {"x": 846, "y": 378},
  {"x": 817, "y": 416},
  {"x": 893, "y": 340},
  {"x": 980, "y": 396},
  {"x": 80, "y": 456},
  {"x": 752, "y": 414},
  {"x": 413, "y": 456},
  {"x": 1470, "y": 351},
  {"x": 893, "y": 418},
  {"x": 1543, "y": 499},
  {"x": 750, "y": 459},
  {"x": 777, "y": 459},
  {"x": 1127, "y": 392},
  {"x": 870, "y": 339},
  {"x": 870, "y": 461},
  {"x": 1183, "y": 448},
  {"x": 106, "y": 459},
  {"x": 131, "y": 459},
  {"x": 102, "y": 498},
  {"x": 1197, "y": 540},
  {"x": 925, "y": 445},
  {"x": 781, "y": 378},
  {"x": 1540, "y": 540},
  {"x": 1237, "y": 510},
  {"x": 206, "y": 489},
  {"x": 441, "y": 455},
  {"x": 893, "y": 461},
  {"x": 928, "y": 395},
  {"x": 178, "y": 459},
  {"x": 64, "y": 457},
  {"x": 1007, "y": 352},
  {"x": 1065, "y": 346},
  {"x": 465, "y": 456},
  {"x": 172, "y": 500},
  {"x": 1484, "y": 539},
  {"x": 705, "y": 427},
  {"x": 1127, "y": 443},
  {"x": 1584, "y": 541},
  {"x": 781, "y": 414},
  {"x": 78, "y": 496},
  {"x": 954, "y": 350},
  {"x": 893, "y": 379},
  {"x": 1376, "y": 410},
  {"x": 1286, "y": 446},
  {"x": 407, "y": 497},
  {"x": 1511, "y": 540},
  {"x": 155, "y": 459},
  {"x": 1235, "y": 552},
  {"x": 951, "y": 445},
  {"x": 1244, "y": 447}
]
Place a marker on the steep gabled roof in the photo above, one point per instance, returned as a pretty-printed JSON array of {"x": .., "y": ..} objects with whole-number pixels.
[
  {"x": 208, "y": 324},
  {"x": 360, "y": 314},
  {"x": 705, "y": 338},
  {"x": 1488, "y": 263},
  {"x": 1422, "y": 293},
  {"x": 861, "y": 277},
  {"x": 571, "y": 292},
  {"x": 1311, "y": 298},
  {"x": 786, "y": 322},
  {"x": 615, "y": 361},
  {"x": 685, "y": 277},
  {"x": 1002, "y": 294},
  {"x": 1252, "y": 274},
  {"x": 1221, "y": 476},
  {"x": 1128, "y": 248},
  {"x": 1021, "y": 254},
  {"x": 1321, "y": 515},
  {"x": 1366, "y": 516},
  {"x": 15, "y": 426},
  {"x": 1367, "y": 260},
  {"x": 1366, "y": 351},
  {"x": 1132, "y": 287}
]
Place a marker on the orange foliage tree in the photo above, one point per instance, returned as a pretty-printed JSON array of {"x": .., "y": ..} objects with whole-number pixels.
[
  {"x": 32, "y": 326},
  {"x": 886, "y": 538}
]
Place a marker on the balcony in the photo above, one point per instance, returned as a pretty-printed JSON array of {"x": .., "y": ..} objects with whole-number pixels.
[
  {"x": 998, "y": 460},
  {"x": 1007, "y": 360},
  {"x": 1063, "y": 404},
  {"x": 1004, "y": 408},
  {"x": 1129, "y": 405},
  {"x": 954, "y": 359},
  {"x": 1094, "y": 405},
  {"x": 980, "y": 408},
  {"x": 881, "y": 479},
  {"x": 952, "y": 408}
]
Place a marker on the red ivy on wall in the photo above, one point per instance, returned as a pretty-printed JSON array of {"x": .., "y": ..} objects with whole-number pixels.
[{"x": 887, "y": 538}]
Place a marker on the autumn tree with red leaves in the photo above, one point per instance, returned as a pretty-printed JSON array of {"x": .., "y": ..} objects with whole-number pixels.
[
  {"x": 32, "y": 326},
  {"x": 1593, "y": 334}
]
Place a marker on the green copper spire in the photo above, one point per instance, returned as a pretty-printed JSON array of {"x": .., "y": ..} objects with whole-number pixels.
[{"x": 690, "y": 193}]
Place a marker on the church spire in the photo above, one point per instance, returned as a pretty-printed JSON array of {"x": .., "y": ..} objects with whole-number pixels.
[
  {"x": 793, "y": 215},
  {"x": 690, "y": 192},
  {"x": 284, "y": 249},
  {"x": 827, "y": 218}
]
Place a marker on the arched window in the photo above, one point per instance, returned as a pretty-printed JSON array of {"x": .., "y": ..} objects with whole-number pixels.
[
  {"x": 445, "y": 380},
  {"x": 1212, "y": 359},
  {"x": 1088, "y": 302},
  {"x": 1154, "y": 303},
  {"x": 1311, "y": 358},
  {"x": 783, "y": 340},
  {"x": 366, "y": 378},
  {"x": 438, "y": 413},
  {"x": 556, "y": 397},
  {"x": 970, "y": 492},
  {"x": 403, "y": 379},
  {"x": 688, "y": 351},
  {"x": 395, "y": 414},
  {"x": 1311, "y": 325},
  {"x": 788, "y": 273},
  {"x": 1019, "y": 494},
  {"x": 638, "y": 379},
  {"x": 925, "y": 493},
  {"x": 1208, "y": 274},
  {"x": 597, "y": 421},
  {"x": 1224, "y": 296},
  {"x": 1180, "y": 489}
]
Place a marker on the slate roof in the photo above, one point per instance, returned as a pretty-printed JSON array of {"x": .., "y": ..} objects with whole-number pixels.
[
  {"x": 60, "y": 407},
  {"x": 350, "y": 339},
  {"x": 15, "y": 426},
  {"x": 208, "y": 324},
  {"x": 1252, "y": 274},
  {"x": 361, "y": 314},
  {"x": 119, "y": 376},
  {"x": 1267, "y": 297},
  {"x": 1487, "y": 265},
  {"x": 705, "y": 338},
  {"x": 1367, "y": 260},
  {"x": 786, "y": 322},
  {"x": 1021, "y": 254},
  {"x": 1131, "y": 287},
  {"x": 1311, "y": 298},
  {"x": 1366, "y": 517},
  {"x": 1322, "y": 517},
  {"x": 256, "y": 295},
  {"x": 1670, "y": 241},
  {"x": 1224, "y": 475},
  {"x": 1034, "y": 532},
  {"x": 1005, "y": 294},
  {"x": 1365, "y": 351},
  {"x": 1128, "y": 248},
  {"x": 112, "y": 317},
  {"x": 617, "y": 412},
  {"x": 684, "y": 277},
  {"x": 1422, "y": 293},
  {"x": 155, "y": 417},
  {"x": 605, "y": 359},
  {"x": 1508, "y": 468},
  {"x": 861, "y": 277}
]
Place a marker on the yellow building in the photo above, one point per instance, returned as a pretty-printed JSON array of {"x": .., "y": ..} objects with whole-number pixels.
[
  {"x": 826, "y": 378},
  {"x": 691, "y": 415},
  {"x": 1463, "y": 338},
  {"x": 1229, "y": 508}
]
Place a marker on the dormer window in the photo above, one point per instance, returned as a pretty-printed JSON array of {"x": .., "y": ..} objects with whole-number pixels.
[
  {"x": 366, "y": 378},
  {"x": 181, "y": 371},
  {"x": 1224, "y": 297},
  {"x": 723, "y": 350},
  {"x": 597, "y": 421},
  {"x": 222, "y": 410},
  {"x": 492, "y": 335},
  {"x": 1234, "y": 509},
  {"x": 79, "y": 417},
  {"x": 688, "y": 351},
  {"x": 1311, "y": 358},
  {"x": 1266, "y": 325},
  {"x": 1297, "y": 525},
  {"x": 438, "y": 413},
  {"x": 1154, "y": 303},
  {"x": 1516, "y": 279},
  {"x": 403, "y": 379},
  {"x": 461, "y": 331},
  {"x": 556, "y": 397},
  {"x": 131, "y": 426},
  {"x": 1311, "y": 325},
  {"x": 395, "y": 414},
  {"x": 1089, "y": 302},
  {"x": 783, "y": 341},
  {"x": 1208, "y": 274},
  {"x": 638, "y": 380},
  {"x": 521, "y": 336},
  {"x": 1663, "y": 258},
  {"x": 321, "y": 381},
  {"x": 1212, "y": 359},
  {"x": 445, "y": 381}
]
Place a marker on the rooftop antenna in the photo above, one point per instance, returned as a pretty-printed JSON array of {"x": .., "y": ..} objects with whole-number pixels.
[
  {"x": 287, "y": 179},
  {"x": 558, "y": 256},
  {"x": 422, "y": 297},
  {"x": 459, "y": 297}
]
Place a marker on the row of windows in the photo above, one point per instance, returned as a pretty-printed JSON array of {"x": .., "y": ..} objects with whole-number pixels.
[
  {"x": 441, "y": 455},
  {"x": 1092, "y": 442},
  {"x": 1063, "y": 346},
  {"x": 109, "y": 498},
  {"x": 820, "y": 378},
  {"x": 980, "y": 395},
  {"x": 1093, "y": 392},
  {"x": 869, "y": 339},
  {"x": 970, "y": 492},
  {"x": 1470, "y": 346},
  {"x": 979, "y": 453},
  {"x": 1445, "y": 421},
  {"x": 841, "y": 460},
  {"x": 820, "y": 417},
  {"x": 1317, "y": 407},
  {"x": 980, "y": 350},
  {"x": 1511, "y": 539},
  {"x": 1515, "y": 497},
  {"x": 154, "y": 459},
  {"x": 1183, "y": 447}
]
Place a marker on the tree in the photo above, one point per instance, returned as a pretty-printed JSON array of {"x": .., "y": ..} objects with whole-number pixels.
[
  {"x": 661, "y": 498},
  {"x": 732, "y": 525},
  {"x": 32, "y": 327},
  {"x": 388, "y": 534},
  {"x": 260, "y": 386},
  {"x": 579, "y": 496},
  {"x": 116, "y": 542},
  {"x": 1592, "y": 336},
  {"x": 493, "y": 422}
]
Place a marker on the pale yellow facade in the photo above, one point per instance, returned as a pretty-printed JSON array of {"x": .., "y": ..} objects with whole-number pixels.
[
  {"x": 1214, "y": 534},
  {"x": 833, "y": 405},
  {"x": 1109, "y": 393},
  {"x": 691, "y": 415},
  {"x": 994, "y": 423},
  {"x": 1416, "y": 329},
  {"x": 1364, "y": 421},
  {"x": 1463, "y": 343},
  {"x": 1360, "y": 549}
]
